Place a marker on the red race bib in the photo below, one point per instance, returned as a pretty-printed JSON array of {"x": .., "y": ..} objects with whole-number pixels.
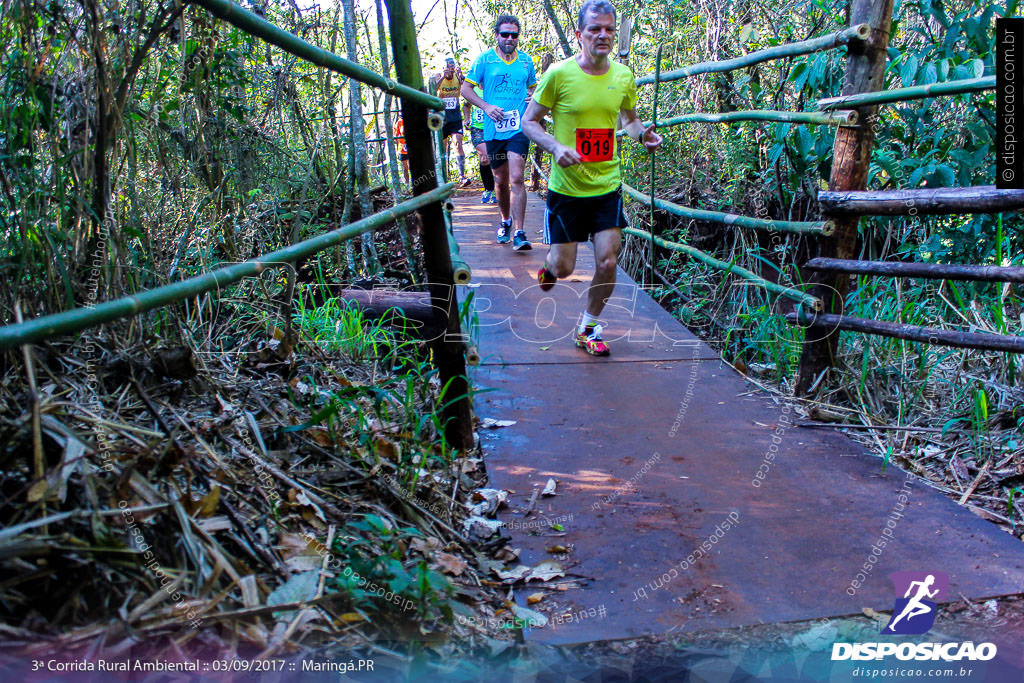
[{"x": 595, "y": 144}]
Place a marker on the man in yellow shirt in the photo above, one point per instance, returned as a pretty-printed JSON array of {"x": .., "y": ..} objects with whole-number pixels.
[
  {"x": 448, "y": 88},
  {"x": 585, "y": 95}
]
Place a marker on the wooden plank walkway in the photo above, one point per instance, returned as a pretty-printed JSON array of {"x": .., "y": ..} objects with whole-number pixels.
[{"x": 657, "y": 451}]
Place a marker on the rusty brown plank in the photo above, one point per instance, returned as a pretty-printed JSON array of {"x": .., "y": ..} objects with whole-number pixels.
[{"x": 802, "y": 534}]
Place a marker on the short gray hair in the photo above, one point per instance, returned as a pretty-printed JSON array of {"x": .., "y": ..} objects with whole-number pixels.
[{"x": 594, "y": 7}]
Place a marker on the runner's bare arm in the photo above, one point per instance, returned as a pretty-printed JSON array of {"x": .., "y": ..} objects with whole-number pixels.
[
  {"x": 635, "y": 128},
  {"x": 496, "y": 113},
  {"x": 533, "y": 126}
]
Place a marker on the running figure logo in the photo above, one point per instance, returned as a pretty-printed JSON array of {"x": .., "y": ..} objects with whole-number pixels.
[{"x": 914, "y": 613}]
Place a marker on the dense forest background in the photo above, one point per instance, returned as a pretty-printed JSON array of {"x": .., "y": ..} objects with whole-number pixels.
[{"x": 142, "y": 142}]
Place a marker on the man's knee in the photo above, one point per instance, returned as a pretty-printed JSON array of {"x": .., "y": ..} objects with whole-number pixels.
[
  {"x": 562, "y": 268},
  {"x": 607, "y": 263}
]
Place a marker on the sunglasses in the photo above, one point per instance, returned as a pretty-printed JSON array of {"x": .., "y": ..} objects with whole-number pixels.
[{"x": 508, "y": 34}]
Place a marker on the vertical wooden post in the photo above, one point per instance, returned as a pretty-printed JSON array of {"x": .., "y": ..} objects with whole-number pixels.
[
  {"x": 851, "y": 156},
  {"x": 449, "y": 350}
]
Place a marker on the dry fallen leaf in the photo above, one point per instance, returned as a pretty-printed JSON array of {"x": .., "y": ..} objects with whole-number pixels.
[
  {"x": 491, "y": 423},
  {"x": 545, "y": 571},
  {"x": 534, "y": 598},
  {"x": 549, "y": 488},
  {"x": 450, "y": 564},
  {"x": 557, "y": 549}
]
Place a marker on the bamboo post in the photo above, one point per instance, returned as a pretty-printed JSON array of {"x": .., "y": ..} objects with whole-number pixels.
[
  {"x": 448, "y": 350},
  {"x": 851, "y": 156}
]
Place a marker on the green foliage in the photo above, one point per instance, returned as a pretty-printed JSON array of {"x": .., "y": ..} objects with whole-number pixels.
[{"x": 371, "y": 551}]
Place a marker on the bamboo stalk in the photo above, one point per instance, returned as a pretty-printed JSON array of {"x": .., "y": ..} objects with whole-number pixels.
[
  {"x": 781, "y": 290},
  {"x": 257, "y": 26},
  {"x": 449, "y": 350},
  {"x": 461, "y": 272},
  {"x": 836, "y": 118},
  {"x": 803, "y": 227},
  {"x": 927, "y": 335},
  {"x": 827, "y": 42},
  {"x": 81, "y": 318},
  {"x": 917, "y": 92},
  {"x": 931, "y": 201},
  {"x": 927, "y": 271}
]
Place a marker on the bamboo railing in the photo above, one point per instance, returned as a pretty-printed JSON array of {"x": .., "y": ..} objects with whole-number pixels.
[
  {"x": 82, "y": 318},
  {"x": 438, "y": 243}
]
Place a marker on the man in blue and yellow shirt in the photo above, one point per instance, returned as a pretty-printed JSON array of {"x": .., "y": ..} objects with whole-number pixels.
[
  {"x": 585, "y": 95},
  {"x": 505, "y": 75}
]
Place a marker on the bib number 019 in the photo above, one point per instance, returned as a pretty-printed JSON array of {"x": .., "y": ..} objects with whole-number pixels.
[{"x": 595, "y": 144}]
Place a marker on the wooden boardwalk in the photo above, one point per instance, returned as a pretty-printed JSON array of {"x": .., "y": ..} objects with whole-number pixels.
[{"x": 657, "y": 452}]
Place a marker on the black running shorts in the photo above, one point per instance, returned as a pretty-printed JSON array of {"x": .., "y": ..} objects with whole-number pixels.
[
  {"x": 498, "y": 150},
  {"x": 576, "y": 219},
  {"x": 451, "y": 127}
]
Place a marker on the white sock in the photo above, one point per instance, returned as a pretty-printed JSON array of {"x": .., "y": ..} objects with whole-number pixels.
[{"x": 585, "y": 321}]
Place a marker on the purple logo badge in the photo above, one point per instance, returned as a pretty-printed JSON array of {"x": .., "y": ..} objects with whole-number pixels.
[{"x": 914, "y": 613}]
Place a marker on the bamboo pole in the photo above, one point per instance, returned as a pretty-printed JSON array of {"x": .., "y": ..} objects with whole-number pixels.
[
  {"x": 941, "y": 200},
  {"x": 802, "y": 227},
  {"x": 781, "y": 290},
  {"x": 925, "y": 271},
  {"x": 461, "y": 272},
  {"x": 449, "y": 349},
  {"x": 837, "y": 118},
  {"x": 851, "y": 158},
  {"x": 927, "y": 335},
  {"x": 82, "y": 318},
  {"x": 245, "y": 20},
  {"x": 916, "y": 92},
  {"x": 854, "y": 33}
]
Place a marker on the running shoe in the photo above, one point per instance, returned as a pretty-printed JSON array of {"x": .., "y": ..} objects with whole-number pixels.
[
  {"x": 494, "y": 198},
  {"x": 520, "y": 243},
  {"x": 546, "y": 279},
  {"x": 485, "y": 197},
  {"x": 503, "y": 230},
  {"x": 590, "y": 341}
]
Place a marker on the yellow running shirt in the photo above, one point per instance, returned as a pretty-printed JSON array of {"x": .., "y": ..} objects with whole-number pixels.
[
  {"x": 585, "y": 110},
  {"x": 448, "y": 90}
]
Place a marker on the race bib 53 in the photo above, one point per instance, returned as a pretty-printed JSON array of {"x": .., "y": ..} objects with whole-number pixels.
[{"x": 595, "y": 144}]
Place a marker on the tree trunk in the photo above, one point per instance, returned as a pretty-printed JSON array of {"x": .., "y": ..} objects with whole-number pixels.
[
  {"x": 357, "y": 138},
  {"x": 851, "y": 156}
]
